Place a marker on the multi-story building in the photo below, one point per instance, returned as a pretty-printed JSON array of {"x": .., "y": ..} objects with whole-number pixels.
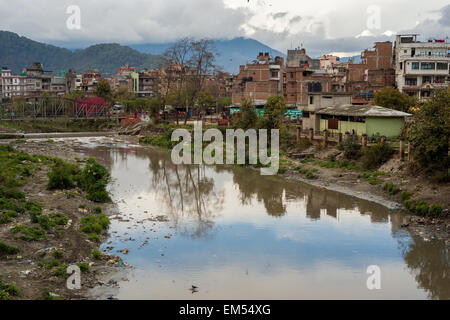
[
  {"x": 373, "y": 73},
  {"x": 299, "y": 82},
  {"x": 328, "y": 61},
  {"x": 421, "y": 67},
  {"x": 32, "y": 82},
  {"x": 259, "y": 80},
  {"x": 298, "y": 58},
  {"x": 12, "y": 85},
  {"x": 146, "y": 83}
]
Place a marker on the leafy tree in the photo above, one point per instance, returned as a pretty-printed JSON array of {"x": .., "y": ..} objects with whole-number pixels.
[
  {"x": 155, "y": 106},
  {"x": 225, "y": 102},
  {"x": 205, "y": 100},
  {"x": 103, "y": 90},
  {"x": 429, "y": 134},
  {"x": 249, "y": 117},
  {"x": 122, "y": 94},
  {"x": 393, "y": 99},
  {"x": 273, "y": 113}
]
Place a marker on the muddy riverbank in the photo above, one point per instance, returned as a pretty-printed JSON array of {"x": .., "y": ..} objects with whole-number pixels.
[{"x": 36, "y": 265}]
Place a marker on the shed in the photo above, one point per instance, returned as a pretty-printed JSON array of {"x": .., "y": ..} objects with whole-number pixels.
[{"x": 362, "y": 119}]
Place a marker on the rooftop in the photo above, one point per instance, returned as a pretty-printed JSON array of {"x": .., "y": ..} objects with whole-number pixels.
[{"x": 362, "y": 111}]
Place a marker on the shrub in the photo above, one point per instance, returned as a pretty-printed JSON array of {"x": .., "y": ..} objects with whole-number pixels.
[
  {"x": 60, "y": 177},
  {"x": 391, "y": 188},
  {"x": 281, "y": 170},
  {"x": 84, "y": 267},
  {"x": 435, "y": 211},
  {"x": 97, "y": 210},
  {"x": 376, "y": 155},
  {"x": 57, "y": 254},
  {"x": 93, "y": 179},
  {"x": 405, "y": 196},
  {"x": 5, "y": 249},
  {"x": 97, "y": 254},
  {"x": 8, "y": 290},
  {"x": 351, "y": 147}
]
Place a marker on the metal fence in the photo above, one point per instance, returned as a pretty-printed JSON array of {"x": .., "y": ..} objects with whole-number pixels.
[{"x": 52, "y": 108}]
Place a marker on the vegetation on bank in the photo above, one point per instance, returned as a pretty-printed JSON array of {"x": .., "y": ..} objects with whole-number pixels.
[{"x": 16, "y": 170}]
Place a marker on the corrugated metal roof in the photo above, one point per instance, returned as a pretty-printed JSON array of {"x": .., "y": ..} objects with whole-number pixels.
[{"x": 362, "y": 111}]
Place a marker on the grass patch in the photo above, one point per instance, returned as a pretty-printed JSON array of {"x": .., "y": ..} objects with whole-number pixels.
[
  {"x": 7, "y": 291},
  {"x": 29, "y": 233},
  {"x": 5, "y": 249}
]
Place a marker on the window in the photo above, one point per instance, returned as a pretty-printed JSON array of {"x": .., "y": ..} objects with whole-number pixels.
[
  {"x": 274, "y": 74},
  {"x": 311, "y": 100},
  {"x": 439, "y": 79},
  {"x": 427, "y": 66},
  {"x": 415, "y": 66},
  {"x": 292, "y": 75},
  {"x": 426, "y": 79},
  {"x": 441, "y": 66},
  {"x": 401, "y": 65},
  {"x": 305, "y": 114},
  {"x": 411, "y": 81}
]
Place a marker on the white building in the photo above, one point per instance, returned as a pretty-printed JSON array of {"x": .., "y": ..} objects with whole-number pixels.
[
  {"x": 421, "y": 67},
  {"x": 12, "y": 85}
]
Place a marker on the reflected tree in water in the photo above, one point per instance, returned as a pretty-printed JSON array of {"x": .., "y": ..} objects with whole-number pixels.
[{"x": 429, "y": 261}]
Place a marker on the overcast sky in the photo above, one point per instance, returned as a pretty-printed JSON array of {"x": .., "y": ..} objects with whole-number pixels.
[{"x": 346, "y": 26}]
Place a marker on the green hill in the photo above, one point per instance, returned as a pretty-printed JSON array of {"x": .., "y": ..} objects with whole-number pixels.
[{"x": 18, "y": 52}]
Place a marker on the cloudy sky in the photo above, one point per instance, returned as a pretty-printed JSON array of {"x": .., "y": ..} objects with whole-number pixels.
[{"x": 345, "y": 26}]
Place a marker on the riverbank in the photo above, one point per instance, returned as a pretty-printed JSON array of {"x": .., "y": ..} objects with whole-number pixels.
[{"x": 42, "y": 231}]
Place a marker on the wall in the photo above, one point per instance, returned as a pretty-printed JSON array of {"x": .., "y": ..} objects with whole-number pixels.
[
  {"x": 389, "y": 127},
  {"x": 344, "y": 126}
]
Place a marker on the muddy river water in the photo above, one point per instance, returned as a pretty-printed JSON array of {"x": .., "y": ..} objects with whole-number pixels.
[{"x": 235, "y": 234}]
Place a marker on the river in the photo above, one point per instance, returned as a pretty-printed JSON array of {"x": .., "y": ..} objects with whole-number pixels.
[{"x": 235, "y": 234}]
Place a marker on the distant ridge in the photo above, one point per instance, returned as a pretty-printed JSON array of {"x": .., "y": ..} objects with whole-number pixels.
[
  {"x": 232, "y": 53},
  {"x": 18, "y": 52}
]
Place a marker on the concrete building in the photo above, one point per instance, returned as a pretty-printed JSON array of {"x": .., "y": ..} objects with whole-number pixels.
[
  {"x": 328, "y": 61},
  {"x": 421, "y": 67},
  {"x": 146, "y": 83},
  {"x": 298, "y": 58},
  {"x": 12, "y": 85},
  {"x": 368, "y": 119},
  {"x": 33, "y": 81},
  {"x": 318, "y": 101}
]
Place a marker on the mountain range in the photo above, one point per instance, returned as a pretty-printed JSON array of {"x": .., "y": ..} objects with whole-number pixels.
[{"x": 18, "y": 52}]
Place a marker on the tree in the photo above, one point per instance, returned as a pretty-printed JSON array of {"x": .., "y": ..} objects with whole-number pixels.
[
  {"x": 248, "y": 115},
  {"x": 155, "y": 106},
  {"x": 273, "y": 113},
  {"x": 103, "y": 90},
  {"x": 429, "y": 134},
  {"x": 122, "y": 94},
  {"x": 393, "y": 99},
  {"x": 205, "y": 100}
]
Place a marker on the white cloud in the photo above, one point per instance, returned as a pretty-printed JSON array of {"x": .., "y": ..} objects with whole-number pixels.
[{"x": 322, "y": 27}]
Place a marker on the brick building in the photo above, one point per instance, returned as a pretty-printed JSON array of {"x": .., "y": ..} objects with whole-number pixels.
[{"x": 259, "y": 80}]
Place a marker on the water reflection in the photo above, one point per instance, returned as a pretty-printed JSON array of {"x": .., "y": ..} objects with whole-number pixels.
[{"x": 239, "y": 231}]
